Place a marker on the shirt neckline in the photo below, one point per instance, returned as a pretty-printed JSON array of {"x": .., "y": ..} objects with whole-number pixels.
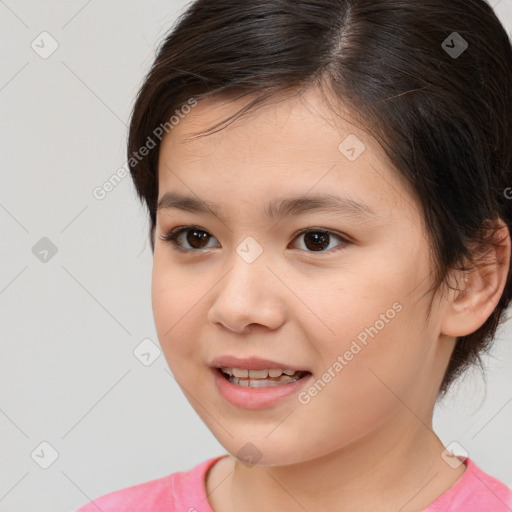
[{"x": 451, "y": 491}]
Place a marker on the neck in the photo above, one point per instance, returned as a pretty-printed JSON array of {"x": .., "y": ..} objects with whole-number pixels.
[{"x": 394, "y": 469}]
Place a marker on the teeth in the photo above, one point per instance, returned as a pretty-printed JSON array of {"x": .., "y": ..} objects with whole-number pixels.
[
  {"x": 263, "y": 383},
  {"x": 242, "y": 373},
  {"x": 238, "y": 372},
  {"x": 258, "y": 374},
  {"x": 261, "y": 378}
]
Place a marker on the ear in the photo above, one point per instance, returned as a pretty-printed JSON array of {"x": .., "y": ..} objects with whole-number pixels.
[{"x": 469, "y": 308}]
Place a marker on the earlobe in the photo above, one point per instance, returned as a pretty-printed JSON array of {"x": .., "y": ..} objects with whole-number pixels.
[{"x": 469, "y": 307}]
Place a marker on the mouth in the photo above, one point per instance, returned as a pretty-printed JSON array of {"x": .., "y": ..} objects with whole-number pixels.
[{"x": 263, "y": 378}]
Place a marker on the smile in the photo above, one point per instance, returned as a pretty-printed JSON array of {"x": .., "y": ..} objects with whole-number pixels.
[{"x": 261, "y": 378}]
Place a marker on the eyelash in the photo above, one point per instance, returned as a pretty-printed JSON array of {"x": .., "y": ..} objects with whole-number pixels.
[{"x": 171, "y": 238}]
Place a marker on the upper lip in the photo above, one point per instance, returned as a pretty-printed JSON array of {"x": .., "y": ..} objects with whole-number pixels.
[{"x": 251, "y": 363}]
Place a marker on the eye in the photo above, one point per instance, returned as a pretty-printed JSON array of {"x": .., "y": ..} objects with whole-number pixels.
[
  {"x": 195, "y": 237},
  {"x": 315, "y": 239},
  {"x": 319, "y": 240}
]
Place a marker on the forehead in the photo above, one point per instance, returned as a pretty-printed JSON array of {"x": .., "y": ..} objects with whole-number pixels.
[
  {"x": 298, "y": 122},
  {"x": 293, "y": 143},
  {"x": 278, "y": 109}
]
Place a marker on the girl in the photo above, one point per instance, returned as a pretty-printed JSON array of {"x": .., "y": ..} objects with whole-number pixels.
[{"x": 327, "y": 188}]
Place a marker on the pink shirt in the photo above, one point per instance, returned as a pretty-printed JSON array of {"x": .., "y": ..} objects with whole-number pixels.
[{"x": 185, "y": 491}]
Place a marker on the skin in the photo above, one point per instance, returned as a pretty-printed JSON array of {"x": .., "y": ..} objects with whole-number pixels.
[{"x": 365, "y": 442}]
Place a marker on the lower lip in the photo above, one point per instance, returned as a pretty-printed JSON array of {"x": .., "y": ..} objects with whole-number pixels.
[{"x": 256, "y": 398}]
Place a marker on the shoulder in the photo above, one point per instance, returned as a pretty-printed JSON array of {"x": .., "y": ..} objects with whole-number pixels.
[
  {"x": 149, "y": 496},
  {"x": 178, "y": 491},
  {"x": 475, "y": 491},
  {"x": 486, "y": 491}
]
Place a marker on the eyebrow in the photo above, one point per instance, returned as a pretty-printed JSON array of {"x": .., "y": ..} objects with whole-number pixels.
[{"x": 277, "y": 209}]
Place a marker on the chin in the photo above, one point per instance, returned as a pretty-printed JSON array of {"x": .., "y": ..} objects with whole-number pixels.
[{"x": 265, "y": 452}]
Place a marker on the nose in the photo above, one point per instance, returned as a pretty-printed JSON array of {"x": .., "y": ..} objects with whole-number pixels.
[{"x": 249, "y": 294}]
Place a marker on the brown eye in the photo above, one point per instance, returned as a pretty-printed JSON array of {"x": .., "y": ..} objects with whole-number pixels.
[
  {"x": 188, "y": 238},
  {"x": 196, "y": 238},
  {"x": 318, "y": 240}
]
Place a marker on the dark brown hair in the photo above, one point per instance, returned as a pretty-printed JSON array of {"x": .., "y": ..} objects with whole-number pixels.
[{"x": 439, "y": 103}]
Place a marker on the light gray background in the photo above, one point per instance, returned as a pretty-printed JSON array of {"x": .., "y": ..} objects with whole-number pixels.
[{"x": 68, "y": 375}]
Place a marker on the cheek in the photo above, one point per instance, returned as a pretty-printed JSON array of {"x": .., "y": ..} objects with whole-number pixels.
[
  {"x": 355, "y": 305},
  {"x": 376, "y": 324},
  {"x": 375, "y": 363},
  {"x": 174, "y": 305},
  {"x": 162, "y": 298}
]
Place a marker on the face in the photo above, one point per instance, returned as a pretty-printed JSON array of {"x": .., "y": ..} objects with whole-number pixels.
[{"x": 334, "y": 291}]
